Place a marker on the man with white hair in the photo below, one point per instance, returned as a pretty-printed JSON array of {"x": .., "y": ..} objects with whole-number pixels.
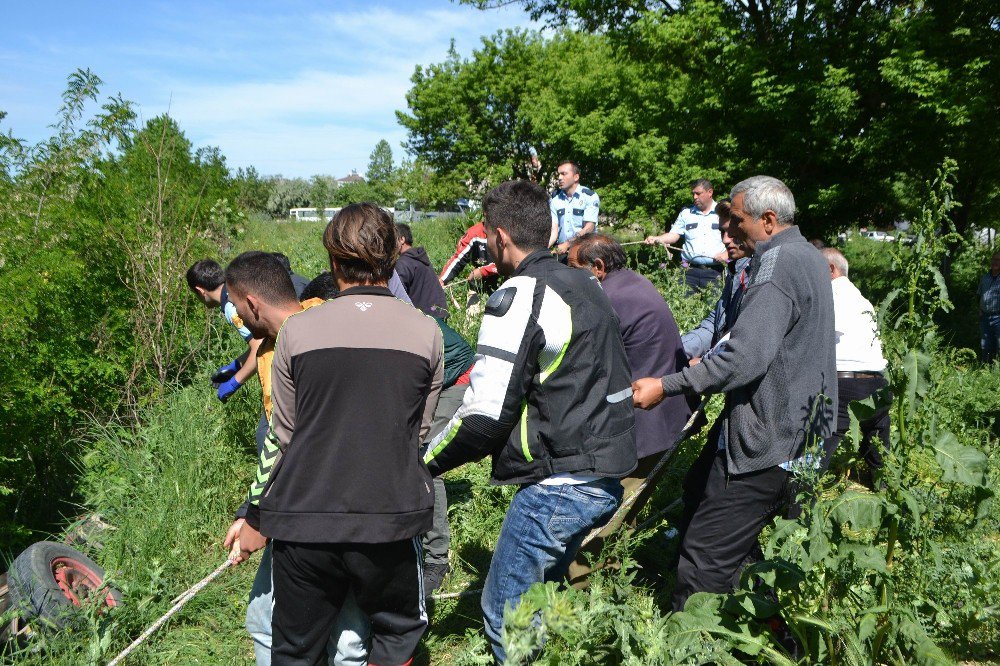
[
  {"x": 860, "y": 363},
  {"x": 779, "y": 375}
]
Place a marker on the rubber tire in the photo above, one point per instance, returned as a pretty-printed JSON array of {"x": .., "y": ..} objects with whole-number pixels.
[{"x": 33, "y": 586}]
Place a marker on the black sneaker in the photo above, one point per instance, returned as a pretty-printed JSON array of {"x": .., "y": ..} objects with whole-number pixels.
[{"x": 433, "y": 577}]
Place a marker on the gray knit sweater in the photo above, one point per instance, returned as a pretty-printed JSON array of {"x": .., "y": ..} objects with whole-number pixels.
[{"x": 779, "y": 361}]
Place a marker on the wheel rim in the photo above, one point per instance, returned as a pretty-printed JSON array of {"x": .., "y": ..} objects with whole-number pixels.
[{"x": 79, "y": 583}]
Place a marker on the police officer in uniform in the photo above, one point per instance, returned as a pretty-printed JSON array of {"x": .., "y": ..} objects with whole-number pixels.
[
  {"x": 703, "y": 255},
  {"x": 574, "y": 208}
]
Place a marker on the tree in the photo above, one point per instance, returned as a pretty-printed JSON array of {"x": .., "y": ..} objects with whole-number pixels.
[
  {"x": 853, "y": 104},
  {"x": 380, "y": 163},
  {"x": 322, "y": 191},
  {"x": 251, "y": 191},
  {"x": 287, "y": 193}
]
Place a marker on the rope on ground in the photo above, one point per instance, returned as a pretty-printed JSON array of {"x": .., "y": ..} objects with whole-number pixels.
[{"x": 181, "y": 600}]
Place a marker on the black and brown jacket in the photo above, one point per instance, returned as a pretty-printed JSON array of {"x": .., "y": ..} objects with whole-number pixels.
[{"x": 355, "y": 382}]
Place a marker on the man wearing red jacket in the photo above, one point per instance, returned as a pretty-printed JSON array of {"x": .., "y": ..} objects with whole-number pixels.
[{"x": 471, "y": 247}]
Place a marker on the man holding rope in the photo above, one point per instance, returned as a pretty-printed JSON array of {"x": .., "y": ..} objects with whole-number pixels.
[
  {"x": 703, "y": 255},
  {"x": 778, "y": 372},
  {"x": 338, "y": 432},
  {"x": 548, "y": 400}
]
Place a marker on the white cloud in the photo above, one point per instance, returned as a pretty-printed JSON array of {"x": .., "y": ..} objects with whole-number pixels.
[
  {"x": 309, "y": 96},
  {"x": 295, "y": 92}
]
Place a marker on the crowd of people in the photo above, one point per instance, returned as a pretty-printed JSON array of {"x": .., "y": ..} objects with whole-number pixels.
[{"x": 578, "y": 390}]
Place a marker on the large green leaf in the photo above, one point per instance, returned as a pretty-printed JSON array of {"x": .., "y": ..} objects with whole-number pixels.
[
  {"x": 960, "y": 463},
  {"x": 916, "y": 369},
  {"x": 857, "y": 511}
]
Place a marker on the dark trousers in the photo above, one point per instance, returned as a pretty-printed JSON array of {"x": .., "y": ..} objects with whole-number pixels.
[
  {"x": 859, "y": 388},
  {"x": 693, "y": 486},
  {"x": 312, "y": 580},
  {"x": 698, "y": 277},
  {"x": 727, "y": 518},
  {"x": 438, "y": 540}
]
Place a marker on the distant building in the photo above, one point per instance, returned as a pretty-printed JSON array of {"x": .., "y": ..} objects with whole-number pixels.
[{"x": 353, "y": 177}]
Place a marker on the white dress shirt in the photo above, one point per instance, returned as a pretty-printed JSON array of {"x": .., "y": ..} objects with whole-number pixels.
[{"x": 858, "y": 346}]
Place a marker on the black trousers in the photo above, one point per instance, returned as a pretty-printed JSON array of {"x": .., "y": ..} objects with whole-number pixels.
[
  {"x": 859, "y": 388},
  {"x": 311, "y": 581},
  {"x": 726, "y": 518},
  {"x": 698, "y": 277}
]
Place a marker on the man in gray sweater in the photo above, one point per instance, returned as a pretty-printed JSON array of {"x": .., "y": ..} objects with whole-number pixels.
[{"x": 779, "y": 373}]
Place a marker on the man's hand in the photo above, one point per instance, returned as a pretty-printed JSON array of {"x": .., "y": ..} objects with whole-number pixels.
[
  {"x": 647, "y": 392},
  {"x": 476, "y": 275},
  {"x": 226, "y": 372},
  {"x": 232, "y": 540},
  {"x": 653, "y": 240},
  {"x": 250, "y": 541},
  {"x": 695, "y": 361},
  {"x": 228, "y": 388},
  {"x": 562, "y": 248},
  {"x": 722, "y": 257}
]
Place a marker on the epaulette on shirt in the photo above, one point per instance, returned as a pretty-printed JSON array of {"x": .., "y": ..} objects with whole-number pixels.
[
  {"x": 586, "y": 190},
  {"x": 555, "y": 193}
]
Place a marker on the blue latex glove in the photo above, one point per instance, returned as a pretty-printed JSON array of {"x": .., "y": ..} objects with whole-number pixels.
[
  {"x": 226, "y": 372},
  {"x": 228, "y": 388}
]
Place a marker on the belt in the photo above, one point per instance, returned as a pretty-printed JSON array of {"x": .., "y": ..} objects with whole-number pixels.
[
  {"x": 841, "y": 374},
  {"x": 715, "y": 266}
]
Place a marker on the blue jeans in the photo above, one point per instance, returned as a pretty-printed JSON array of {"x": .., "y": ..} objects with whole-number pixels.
[
  {"x": 989, "y": 327},
  {"x": 541, "y": 533},
  {"x": 348, "y": 644}
]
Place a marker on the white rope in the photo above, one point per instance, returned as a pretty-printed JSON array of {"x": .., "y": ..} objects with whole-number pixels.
[
  {"x": 642, "y": 242},
  {"x": 181, "y": 600}
]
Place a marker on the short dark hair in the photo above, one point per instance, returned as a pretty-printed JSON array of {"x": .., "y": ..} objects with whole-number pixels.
[
  {"x": 522, "y": 209},
  {"x": 322, "y": 286},
  {"x": 724, "y": 210},
  {"x": 261, "y": 274},
  {"x": 404, "y": 232},
  {"x": 576, "y": 167},
  {"x": 704, "y": 183},
  {"x": 206, "y": 274},
  {"x": 593, "y": 246},
  {"x": 362, "y": 239},
  {"x": 284, "y": 260}
]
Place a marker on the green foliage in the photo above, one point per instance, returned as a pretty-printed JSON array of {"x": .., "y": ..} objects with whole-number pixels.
[
  {"x": 97, "y": 225},
  {"x": 251, "y": 191},
  {"x": 285, "y": 194},
  {"x": 870, "y": 98},
  {"x": 168, "y": 491},
  {"x": 917, "y": 269},
  {"x": 164, "y": 206},
  {"x": 380, "y": 162}
]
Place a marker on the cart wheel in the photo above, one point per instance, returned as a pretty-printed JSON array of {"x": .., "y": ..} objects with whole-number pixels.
[{"x": 48, "y": 581}]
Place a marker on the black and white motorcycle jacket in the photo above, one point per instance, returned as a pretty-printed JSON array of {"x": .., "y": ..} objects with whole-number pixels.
[{"x": 550, "y": 392}]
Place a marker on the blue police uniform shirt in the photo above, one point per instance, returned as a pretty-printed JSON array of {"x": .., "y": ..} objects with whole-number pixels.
[
  {"x": 229, "y": 312},
  {"x": 700, "y": 231},
  {"x": 570, "y": 213}
]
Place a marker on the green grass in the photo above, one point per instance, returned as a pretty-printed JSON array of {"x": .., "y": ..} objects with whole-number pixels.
[{"x": 170, "y": 485}]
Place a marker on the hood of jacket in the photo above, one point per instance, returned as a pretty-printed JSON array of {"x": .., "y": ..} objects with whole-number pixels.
[{"x": 419, "y": 254}]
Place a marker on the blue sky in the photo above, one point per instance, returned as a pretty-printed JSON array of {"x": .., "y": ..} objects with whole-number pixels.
[{"x": 296, "y": 88}]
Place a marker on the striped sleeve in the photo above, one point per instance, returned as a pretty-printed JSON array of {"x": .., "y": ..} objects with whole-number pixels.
[
  {"x": 506, "y": 360},
  {"x": 281, "y": 425}
]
